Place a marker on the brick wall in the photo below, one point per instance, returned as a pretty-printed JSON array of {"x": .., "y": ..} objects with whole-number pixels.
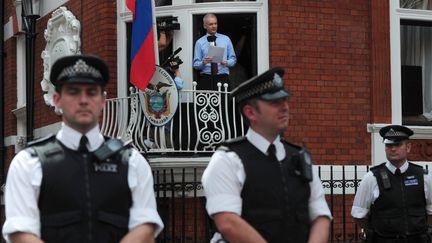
[
  {"x": 331, "y": 51},
  {"x": 421, "y": 150},
  {"x": 324, "y": 47},
  {"x": 99, "y": 36},
  {"x": 380, "y": 62}
]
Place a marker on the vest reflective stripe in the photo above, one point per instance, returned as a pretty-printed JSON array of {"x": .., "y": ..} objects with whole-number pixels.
[
  {"x": 80, "y": 204},
  {"x": 399, "y": 210},
  {"x": 283, "y": 216}
]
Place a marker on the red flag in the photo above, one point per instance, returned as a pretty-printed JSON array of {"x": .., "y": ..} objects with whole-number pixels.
[{"x": 142, "y": 49}]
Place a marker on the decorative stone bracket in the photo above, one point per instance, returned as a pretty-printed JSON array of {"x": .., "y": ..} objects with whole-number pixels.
[{"x": 62, "y": 37}]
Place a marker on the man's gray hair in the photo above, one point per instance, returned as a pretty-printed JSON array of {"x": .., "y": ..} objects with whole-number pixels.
[{"x": 209, "y": 15}]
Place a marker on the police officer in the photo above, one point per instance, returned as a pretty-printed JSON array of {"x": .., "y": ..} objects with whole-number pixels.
[
  {"x": 394, "y": 198},
  {"x": 260, "y": 188},
  {"x": 77, "y": 185}
]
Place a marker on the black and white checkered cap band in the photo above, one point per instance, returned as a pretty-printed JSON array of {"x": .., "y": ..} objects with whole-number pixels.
[
  {"x": 272, "y": 85},
  {"x": 80, "y": 69},
  {"x": 393, "y": 133}
]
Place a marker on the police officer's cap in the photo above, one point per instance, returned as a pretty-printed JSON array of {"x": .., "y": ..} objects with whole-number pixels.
[
  {"x": 394, "y": 134},
  {"x": 267, "y": 86},
  {"x": 79, "y": 69}
]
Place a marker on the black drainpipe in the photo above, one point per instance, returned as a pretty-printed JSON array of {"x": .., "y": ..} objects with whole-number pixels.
[{"x": 2, "y": 99}]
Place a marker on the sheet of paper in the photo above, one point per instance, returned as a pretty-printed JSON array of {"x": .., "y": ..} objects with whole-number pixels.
[{"x": 217, "y": 53}]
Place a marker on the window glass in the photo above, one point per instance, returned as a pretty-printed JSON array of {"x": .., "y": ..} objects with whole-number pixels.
[
  {"x": 210, "y": 1},
  {"x": 159, "y": 3},
  {"x": 416, "y": 4},
  {"x": 416, "y": 72}
]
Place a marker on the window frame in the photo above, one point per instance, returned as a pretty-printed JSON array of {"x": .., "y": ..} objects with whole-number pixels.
[{"x": 396, "y": 15}]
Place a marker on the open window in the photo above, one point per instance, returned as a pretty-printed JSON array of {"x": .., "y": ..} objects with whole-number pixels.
[
  {"x": 241, "y": 29},
  {"x": 416, "y": 71}
]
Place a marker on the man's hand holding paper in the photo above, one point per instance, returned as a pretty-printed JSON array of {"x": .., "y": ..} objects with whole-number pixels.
[{"x": 216, "y": 53}]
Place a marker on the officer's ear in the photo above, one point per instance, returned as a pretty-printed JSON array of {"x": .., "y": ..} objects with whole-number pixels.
[
  {"x": 56, "y": 99},
  {"x": 408, "y": 146},
  {"x": 250, "y": 111}
]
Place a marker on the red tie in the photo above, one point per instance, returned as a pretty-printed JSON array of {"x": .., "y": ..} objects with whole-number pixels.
[{"x": 214, "y": 66}]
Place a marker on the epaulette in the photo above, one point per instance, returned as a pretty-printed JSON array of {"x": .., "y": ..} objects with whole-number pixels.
[
  {"x": 416, "y": 165},
  {"x": 47, "y": 149},
  {"x": 225, "y": 146},
  {"x": 126, "y": 144},
  {"x": 41, "y": 140},
  {"x": 425, "y": 170},
  {"x": 295, "y": 146},
  {"x": 30, "y": 146},
  {"x": 378, "y": 166}
]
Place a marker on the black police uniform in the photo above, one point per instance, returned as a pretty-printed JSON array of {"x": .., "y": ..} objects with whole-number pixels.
[
  {"x": 281, "y": 217},
  {"x": 79, "y": 195},
  {"x": 399, "y": 213}
]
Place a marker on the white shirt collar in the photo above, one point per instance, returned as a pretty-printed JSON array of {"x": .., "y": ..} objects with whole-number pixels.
[
  {"x": 393, "y": 168},
  {"x": 71, "y": 138},
  {"x": 262, "y": 144}
]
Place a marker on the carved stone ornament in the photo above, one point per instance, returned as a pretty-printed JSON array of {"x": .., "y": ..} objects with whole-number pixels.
[{"x": 62, "y": 37}]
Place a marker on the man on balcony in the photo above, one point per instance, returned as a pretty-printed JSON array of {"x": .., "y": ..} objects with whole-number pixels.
[
  {"x": 260, "y": 188},
  {"x": 211, "y": 71},
  {"x": 78, "y": 186},
  {"x": 394, "y": 200}
]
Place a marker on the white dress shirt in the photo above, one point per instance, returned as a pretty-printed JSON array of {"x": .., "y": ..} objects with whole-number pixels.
[
  {"x": 368, "y": 192},
  {"x": 25, "y": 176},
  {"x": 224, "y": 177}
]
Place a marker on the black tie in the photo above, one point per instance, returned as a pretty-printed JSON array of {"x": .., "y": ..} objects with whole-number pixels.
[
  {"x": 271, "y": 151},
  {"x": 214, "y": 66},
  {"x": 83, "y": 145},
  {"x": 398, "y": 172}
]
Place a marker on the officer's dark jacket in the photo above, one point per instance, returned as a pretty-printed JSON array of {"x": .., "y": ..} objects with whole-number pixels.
[
  {"x": 275, "y": 199},
  {"x": 400, "y": 208},
  {"x": 81, "y": 199}
]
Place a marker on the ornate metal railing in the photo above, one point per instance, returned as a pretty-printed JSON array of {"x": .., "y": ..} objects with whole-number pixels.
[
  {"x": 340, "y": 184},
  {"x": 203, "y": 120}
]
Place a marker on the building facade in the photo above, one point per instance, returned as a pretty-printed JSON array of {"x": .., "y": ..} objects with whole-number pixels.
[{"x": 352, "y": 66}]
